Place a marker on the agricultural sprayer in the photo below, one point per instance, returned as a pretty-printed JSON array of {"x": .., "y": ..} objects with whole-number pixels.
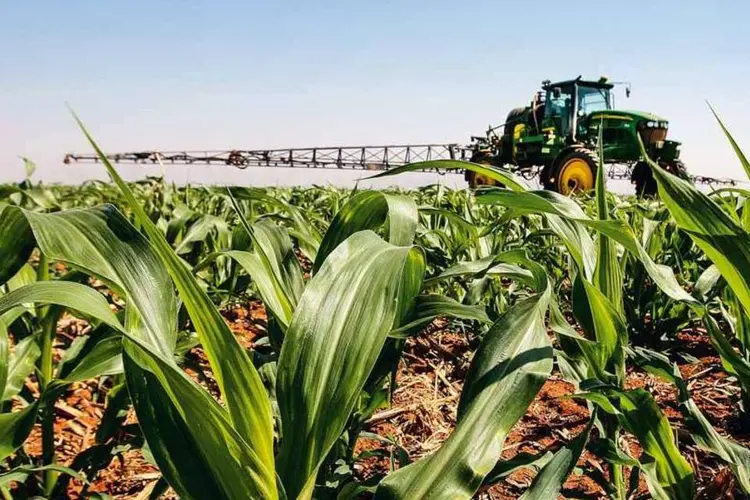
[{"x": 556, "y": 139}]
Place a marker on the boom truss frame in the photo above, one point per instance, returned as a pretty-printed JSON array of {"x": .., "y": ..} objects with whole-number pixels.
[{"x": 343, "y": 157}]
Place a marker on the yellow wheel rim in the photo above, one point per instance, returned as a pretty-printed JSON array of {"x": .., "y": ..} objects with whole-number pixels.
[
  {"x": 483, "y": 180},
  {"x": 575, "y": 176}
]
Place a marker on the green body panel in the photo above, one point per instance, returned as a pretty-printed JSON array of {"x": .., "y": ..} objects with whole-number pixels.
[{"x": 549, "y": 126}]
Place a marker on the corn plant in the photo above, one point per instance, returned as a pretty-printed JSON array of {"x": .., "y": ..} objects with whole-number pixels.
[
  {"x": 600, "y": 356},
  {"x": 332, "y": 332},
  {"x": 721, "y": 232}
]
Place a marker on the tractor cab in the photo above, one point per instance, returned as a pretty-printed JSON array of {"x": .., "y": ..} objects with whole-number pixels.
[{"x": 568, "y": 102}]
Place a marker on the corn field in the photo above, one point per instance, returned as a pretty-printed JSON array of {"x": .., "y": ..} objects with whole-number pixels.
[{"x": 502, "y": 343}]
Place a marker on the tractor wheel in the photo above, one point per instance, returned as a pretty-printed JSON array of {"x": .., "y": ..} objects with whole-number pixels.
[
  {"x": 546, "y": 178},
  {"x": 643, "y": 177},
  {"x": 516, "y": 117},
  {"x": 572, "y": 172},
  {"x": 474, "y": 179},
  {"x": 513, "y": 118}
]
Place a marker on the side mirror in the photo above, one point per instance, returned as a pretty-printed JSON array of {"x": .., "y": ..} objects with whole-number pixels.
[{"x": 556, "y": 92}]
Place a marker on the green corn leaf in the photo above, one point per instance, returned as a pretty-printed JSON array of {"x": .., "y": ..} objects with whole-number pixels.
[
  {"x": 560, "y": 325},
  {"x": 513, "y": 264},
  {"x": 15, "y": 428},
  {"x": 730, "y": 359},
  {"x": 504, "y": 468},
  {"x": 200, "y": 230},
  {"x": 460, "y": 225},
  {"x": 101, "y": 242},
  {"x": 364, "y": 288},
  {"x": 503, "y": 176},
  {"x": 26, "y": 275},
  {"x": 276, "y": 272},
  {"x": 740, "y": 155},
  {"x": 707, "y": 438},
  {"x": 602, "y": 322},
  {"x": 701, "y": 430},
  {"x": 64, "y": 293},
  {"x": 86, "y": 301},
  {"x": 668, "y": 474},
  {"x": 551, "y": 203},
  {"x": 4, "y": 358},
  {"x": 104, "y": 358},
  {"x": 509, "y": 368},
  {"x": 577, "y": 241},
  {"x": 706, "y": 281},
  {"x": 240, "y": 384},
  {"x": 562, "y": 215},
  {"x": 190, "y": 436},
  {"x": 601, "y": 401},
  {"x": 16, "y": 242},
  {"x": 371, "y": 210},
  {"x": 20, "y": 365},
  {"x": 431, "y": 307},
  {"x": 739, "y": 320},
  {"x": 548, "y": 483},
  {"x": 179, "y": 222},
  {"x": 478, "y": 268},
  {"x": 274, "y": 266},
  {"x": 29, "y": 166},
  {"x": 720, "y": 237},
  {"x": 271, "y": 290},
  {"x": 306, "y": 232},
  {"x": 608, "y": 276},
  {"x": 607, "y": 449},
  {"x": 20, "y": 474}
]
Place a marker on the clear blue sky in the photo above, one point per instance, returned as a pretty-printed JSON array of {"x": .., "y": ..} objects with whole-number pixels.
[{"x": 231, "y": 74}]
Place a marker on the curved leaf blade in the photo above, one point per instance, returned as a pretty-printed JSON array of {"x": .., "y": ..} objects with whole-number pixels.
[
  {"x": 724, "y": 241},
  {"x": 239, "y": 381},
  {"x": 504, "y": 177},
  {"x": 669, "y": 475},
  {"x": 199, "y": 452},
  {"x": 369, "y": 210},
  {"x": 101, "y": 242},
  {"x": 548, "y": 483},
  {"x": 362, "y": 290},
  {"x": 64, "y": 293},
  {"x": 16, "y": 241},
  {"x": 15, "y": 428},
  {"x": 509, "y": 368}
]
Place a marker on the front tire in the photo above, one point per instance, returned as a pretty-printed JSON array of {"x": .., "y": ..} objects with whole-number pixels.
[
  {"x": 572, "y": 172},
  {"x": 643, "y": 176}
]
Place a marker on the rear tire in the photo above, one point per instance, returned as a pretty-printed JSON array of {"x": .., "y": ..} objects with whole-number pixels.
[
  {"x": 572, "y": 171},
  {"x": 513, "y": 118}
]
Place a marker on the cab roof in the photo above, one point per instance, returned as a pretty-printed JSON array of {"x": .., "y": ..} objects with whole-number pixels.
[{"x": 578, "y": 81}]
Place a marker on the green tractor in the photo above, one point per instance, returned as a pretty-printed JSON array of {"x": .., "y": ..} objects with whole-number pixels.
[{"x": 556, "y": 137}]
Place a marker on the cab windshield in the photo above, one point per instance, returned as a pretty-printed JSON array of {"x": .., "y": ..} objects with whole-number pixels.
[{"x": 592, "y": 99}]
